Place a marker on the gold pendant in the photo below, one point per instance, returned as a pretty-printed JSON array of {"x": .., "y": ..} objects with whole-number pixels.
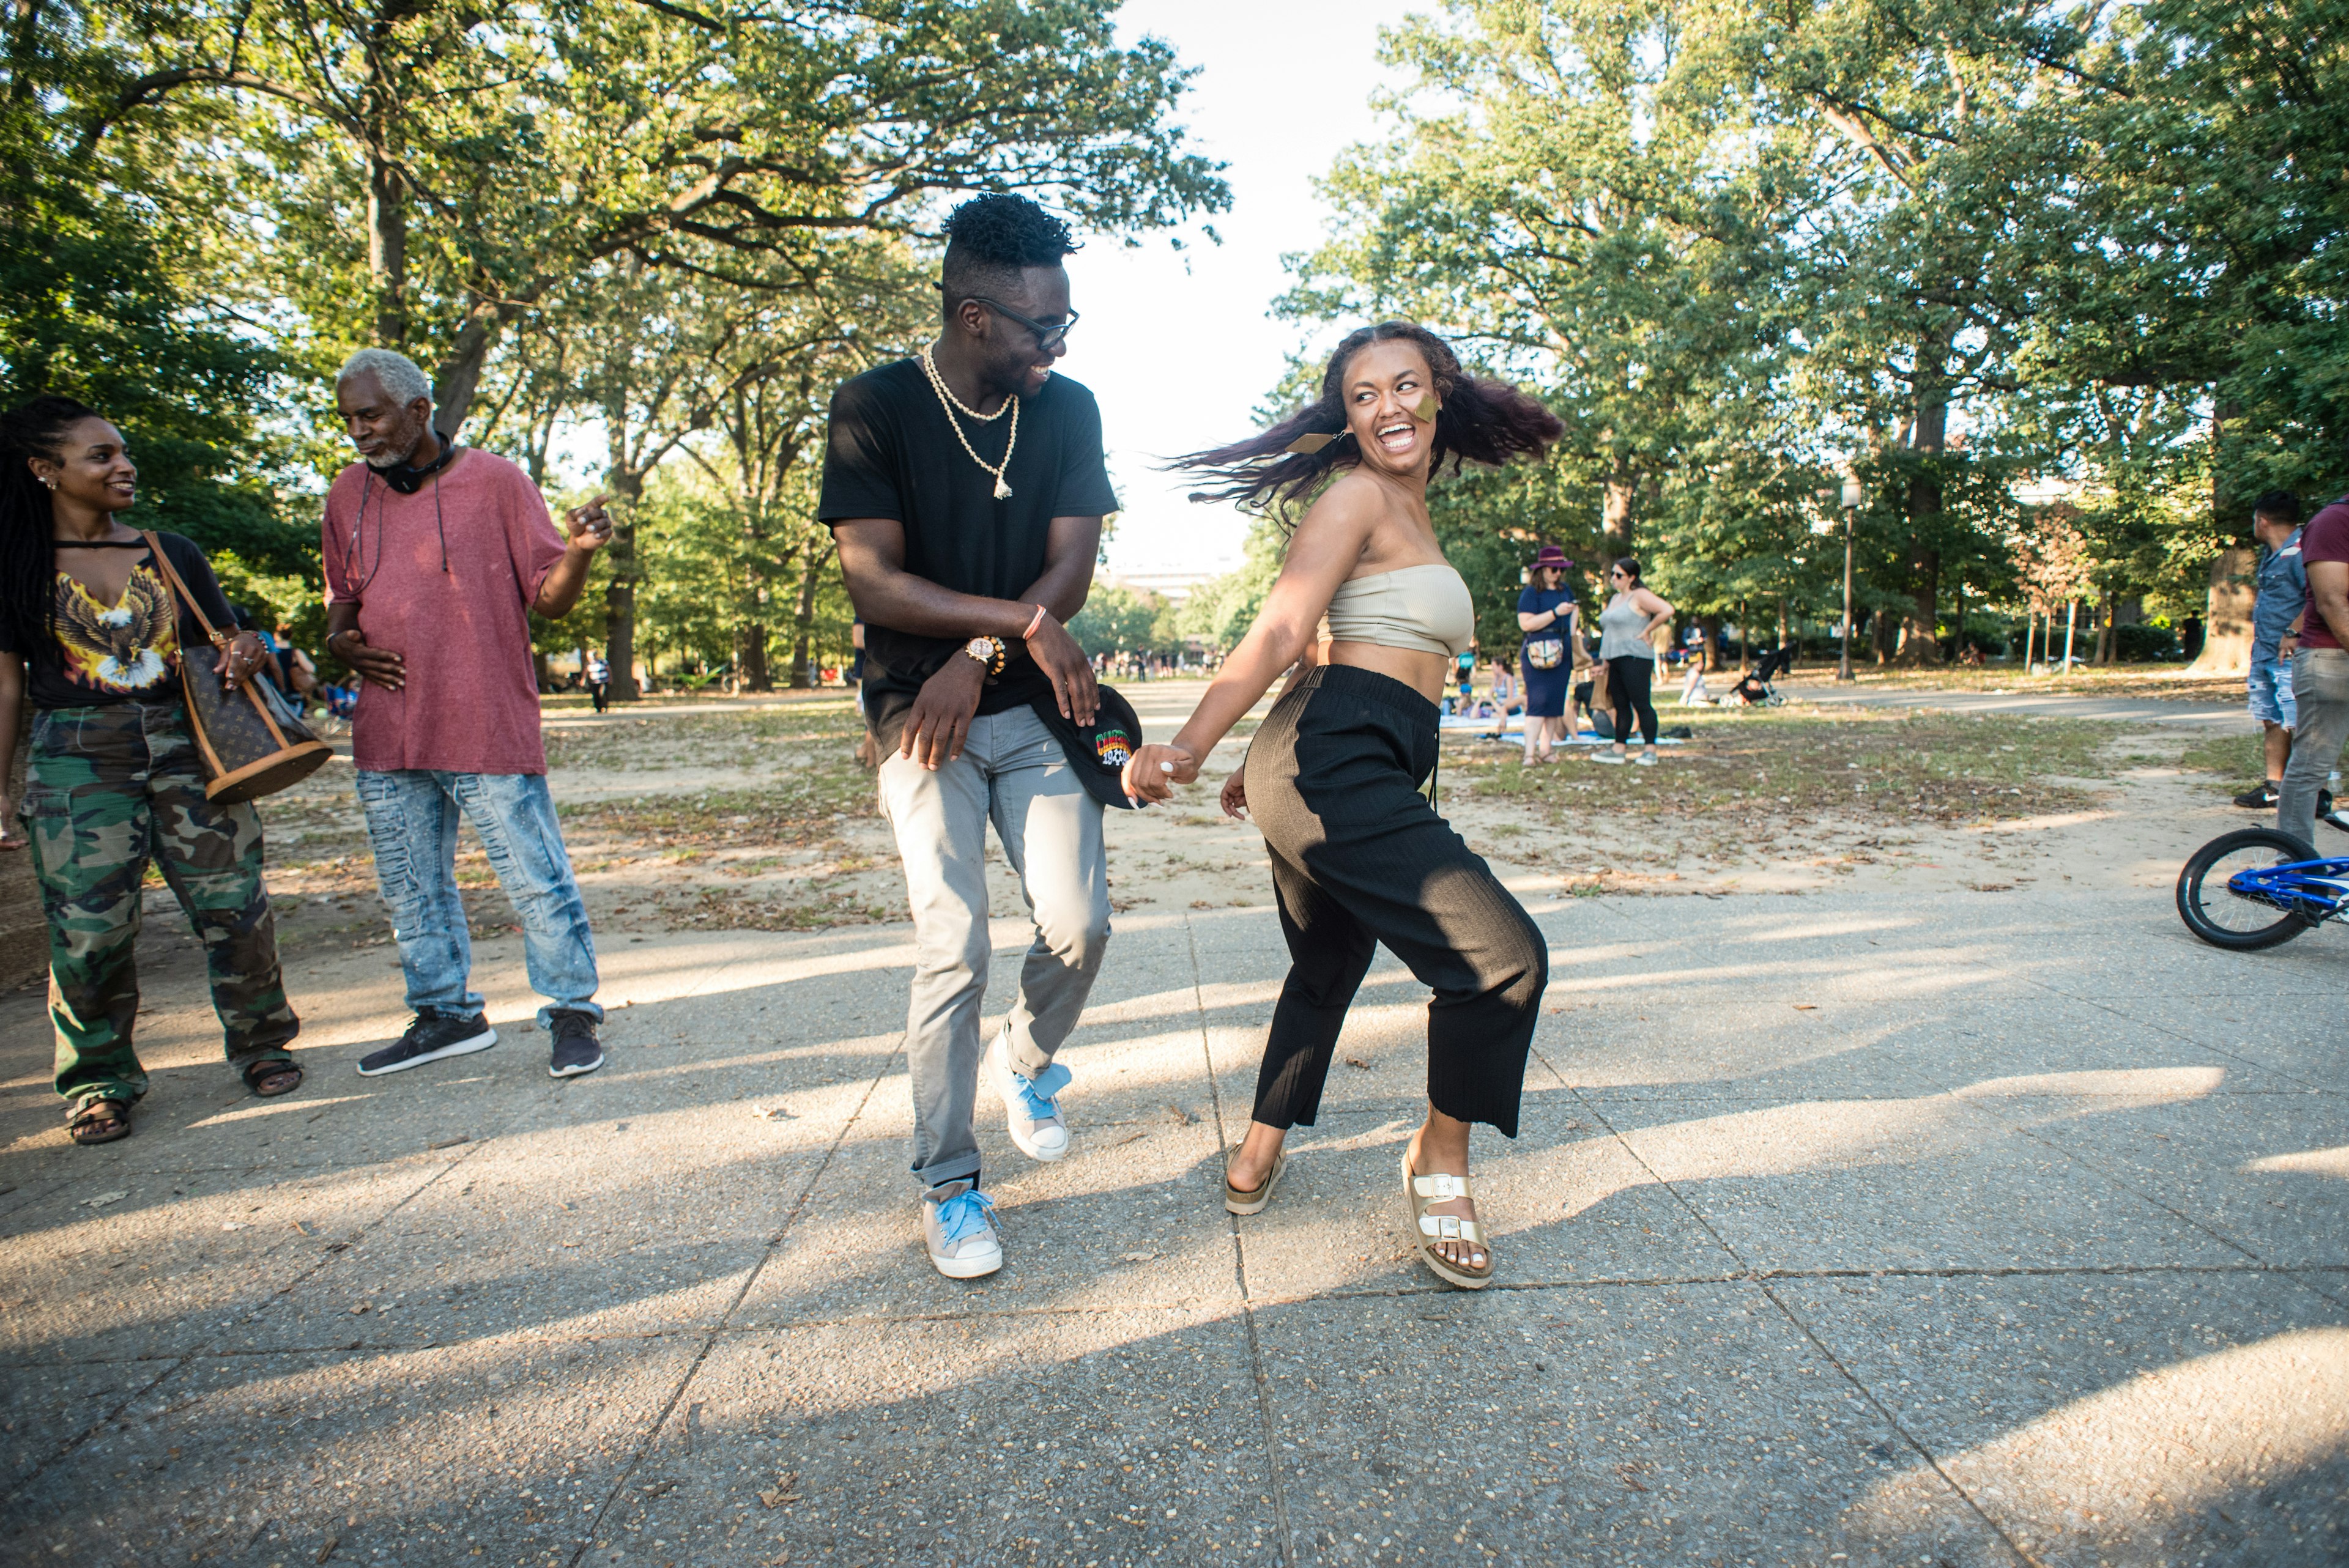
[{"x": 1002, "y": 490}]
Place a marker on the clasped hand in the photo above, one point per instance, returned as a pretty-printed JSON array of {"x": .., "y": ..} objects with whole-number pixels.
[{"x": 1153, "y": 771}]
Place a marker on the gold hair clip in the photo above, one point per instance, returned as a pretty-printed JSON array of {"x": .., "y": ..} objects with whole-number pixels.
[
  {"x": 1428, "y": 409},
  {"x": 1313, "y": 441}
]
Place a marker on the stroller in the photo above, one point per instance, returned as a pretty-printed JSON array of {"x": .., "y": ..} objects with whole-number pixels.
[{"x": 1753, "y": 689}]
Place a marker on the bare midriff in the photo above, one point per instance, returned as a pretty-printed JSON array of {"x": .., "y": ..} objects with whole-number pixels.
[{"x": 1424, "y": 673}]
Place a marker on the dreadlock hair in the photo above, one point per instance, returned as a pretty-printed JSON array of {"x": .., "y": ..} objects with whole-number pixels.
[
  {"x": 1479, "y": 421},
  {"x": 28, "y": 556},
  {"x": 990, "y": 239}
]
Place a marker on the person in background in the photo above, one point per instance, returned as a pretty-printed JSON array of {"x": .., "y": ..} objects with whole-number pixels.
[
  {"x": 599, "y": 681},
  {"x": 91, "y": 631},
  {"x": 2319, "y": 673},
  {"x": 2276, "y": 617},
  {"x": 1547, "y": 614},
  {"x": 273, "y": 663},
  {"x": 1693, "y": 690},
  {"x": 1632, "y": 616},
  {"x": 435, "y": 557},
  {"x": 301, "y": 673}
]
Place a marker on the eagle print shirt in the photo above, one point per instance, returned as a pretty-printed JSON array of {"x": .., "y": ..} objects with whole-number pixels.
[
  {"x": 118, "y": 650},
  {"x": 96, "y": 654}
]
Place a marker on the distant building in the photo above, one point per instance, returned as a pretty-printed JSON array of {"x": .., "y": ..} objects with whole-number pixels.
[{"x": 1172, "y": 586}]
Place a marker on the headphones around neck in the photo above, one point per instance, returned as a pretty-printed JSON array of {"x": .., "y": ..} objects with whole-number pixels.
[{"x": 407, "y": 480}]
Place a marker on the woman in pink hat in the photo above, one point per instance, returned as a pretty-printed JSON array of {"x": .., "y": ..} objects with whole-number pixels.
[{"x": 1546, "y": 614}]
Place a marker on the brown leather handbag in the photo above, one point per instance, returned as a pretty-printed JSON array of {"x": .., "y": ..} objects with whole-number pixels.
[{"x": 250, "y": 743}]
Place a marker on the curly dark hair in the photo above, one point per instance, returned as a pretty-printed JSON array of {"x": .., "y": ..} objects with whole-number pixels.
[
  {"x": 1479, "y": 421},
  {"x": 988, "y": 240},
  {"x": 28, "y": 555}
]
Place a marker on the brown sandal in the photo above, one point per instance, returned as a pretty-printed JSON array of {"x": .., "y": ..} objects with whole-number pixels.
[
  {"x": 269, "y": 1079},
  {"x": 100, "y": 1121}
]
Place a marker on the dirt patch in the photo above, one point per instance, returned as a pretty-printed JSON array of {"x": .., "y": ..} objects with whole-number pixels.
[{"x": 760, "y": 818}]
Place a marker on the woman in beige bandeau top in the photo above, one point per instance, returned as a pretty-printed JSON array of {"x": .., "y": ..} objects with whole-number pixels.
[{"x": 1334, "y": 776}]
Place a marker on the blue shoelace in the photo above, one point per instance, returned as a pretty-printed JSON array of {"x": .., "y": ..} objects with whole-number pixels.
[
  {"x": 1036, "y": 1094},
  {"x": 965, "y": 1215}
]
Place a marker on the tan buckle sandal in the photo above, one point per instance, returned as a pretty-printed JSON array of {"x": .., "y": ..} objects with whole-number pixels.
[
  {"x": 1422, "y": 1192},
  {"x": 1247, "y": 1201}
]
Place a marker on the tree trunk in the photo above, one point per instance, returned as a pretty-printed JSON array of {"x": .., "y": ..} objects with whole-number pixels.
[
  {"x": 803, "y": 622},
  {"x": 628, "y": 486},
  {"x": 750, "y": 658},
  {"x": 2226, "y": 625},
  {"x": 387, "y": 252},
  {"x": 1930, "y": 436},
  {"x": 1614, "y": 520}
]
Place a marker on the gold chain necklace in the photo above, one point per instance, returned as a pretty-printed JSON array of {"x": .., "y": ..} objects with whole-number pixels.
[{"x": 951, "y": 404}]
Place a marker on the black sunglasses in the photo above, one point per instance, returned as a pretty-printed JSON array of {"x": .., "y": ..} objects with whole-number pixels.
[{"x": 1047, "y": 336}]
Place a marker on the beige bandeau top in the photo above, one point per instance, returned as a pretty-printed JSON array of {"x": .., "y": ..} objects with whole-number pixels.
[{"x": 1425, "y": 609}]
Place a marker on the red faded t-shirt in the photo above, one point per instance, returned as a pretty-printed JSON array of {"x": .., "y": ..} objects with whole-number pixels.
[
  {"x": 470, "y": 704},
  {"x": 2326, "y": 538}
]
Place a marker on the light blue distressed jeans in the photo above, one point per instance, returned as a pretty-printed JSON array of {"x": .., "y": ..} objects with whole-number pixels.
[
  {"x": 411, "y": 818},
  {"x": 1013, "y": 773}
]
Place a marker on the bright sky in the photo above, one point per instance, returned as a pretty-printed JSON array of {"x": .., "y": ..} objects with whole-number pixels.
[{"x": 1179, "y": 347}]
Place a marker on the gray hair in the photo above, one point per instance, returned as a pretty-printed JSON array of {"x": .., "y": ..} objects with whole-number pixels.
[{"x": 402, "y": 380}]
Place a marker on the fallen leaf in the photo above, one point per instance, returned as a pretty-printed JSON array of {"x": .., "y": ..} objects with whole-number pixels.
[
  {"x": 450, "y": 1142},
  {"x": 1358, "y": 1062},
  {"x": 362, "y": 1307},
  {"x": 1182, "y": 1117},
  {"x": 1137, "y": 1257},
  {"x": 103, "y": 1199},
  {"x": 771, "y": 1113},
  {"x": 1806, "y": 1007},
  {"x": 328, "y": 1549}
]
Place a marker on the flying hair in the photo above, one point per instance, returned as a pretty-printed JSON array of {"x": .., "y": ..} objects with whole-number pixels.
[
  {"x": 990, "y": 237},
  {"x": 1478, "y": 421}
]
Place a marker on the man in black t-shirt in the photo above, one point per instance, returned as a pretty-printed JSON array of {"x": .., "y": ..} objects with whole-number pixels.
[{"x": 967, "y": 488}]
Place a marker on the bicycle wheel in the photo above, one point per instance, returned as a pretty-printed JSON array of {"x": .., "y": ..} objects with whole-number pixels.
[{"x": 2225, "y": 918}]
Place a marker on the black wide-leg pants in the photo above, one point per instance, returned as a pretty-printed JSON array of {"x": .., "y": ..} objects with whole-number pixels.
[{"x": 1360, "y": 857}]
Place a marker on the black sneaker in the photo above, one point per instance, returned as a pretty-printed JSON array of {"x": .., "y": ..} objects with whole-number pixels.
[
  {"x": 430, "y": 1036},
  {"x": 2260, "y": 799},
  {"x": 575, "y": 1048}
]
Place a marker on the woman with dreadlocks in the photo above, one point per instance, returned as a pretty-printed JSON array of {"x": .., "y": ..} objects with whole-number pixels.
[
  {"x": 1340, "y": 777},
  {"x": 90, "y": 633}
]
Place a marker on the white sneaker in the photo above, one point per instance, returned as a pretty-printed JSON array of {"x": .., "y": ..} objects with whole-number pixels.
[
  {"x": 1607, "y": 756},
  {"x": 1646, "y": 758},
  {"x": 1030, "y": 1109},
  {"x": 958, "y": 1227}
]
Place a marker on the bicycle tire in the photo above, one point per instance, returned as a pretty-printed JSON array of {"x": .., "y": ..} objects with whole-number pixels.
[{"x": 2288, "y": 923}]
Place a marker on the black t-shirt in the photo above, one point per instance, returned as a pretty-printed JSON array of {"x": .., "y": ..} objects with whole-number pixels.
[
  {"x": 128, "y": 651},
  {"x": 891, "y": 454}
]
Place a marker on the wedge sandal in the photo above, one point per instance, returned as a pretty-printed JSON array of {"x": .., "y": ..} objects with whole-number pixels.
[
  {"x": 1428, "y": 1231},
  {"x": 1252, "y": 1199}
]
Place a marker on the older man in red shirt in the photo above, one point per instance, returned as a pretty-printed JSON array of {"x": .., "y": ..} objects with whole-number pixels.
[{"x": 435, "y": 557}]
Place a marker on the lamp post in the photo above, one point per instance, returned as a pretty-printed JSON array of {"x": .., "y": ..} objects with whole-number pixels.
[{"x": 1853, "y": 497}]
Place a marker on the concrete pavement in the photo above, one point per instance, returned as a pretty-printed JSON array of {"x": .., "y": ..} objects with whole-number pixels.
[{"x": 1963, "y": 1230}]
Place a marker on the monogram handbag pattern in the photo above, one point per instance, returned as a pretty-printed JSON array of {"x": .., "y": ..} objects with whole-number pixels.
[{"x": 250, "y": 741}]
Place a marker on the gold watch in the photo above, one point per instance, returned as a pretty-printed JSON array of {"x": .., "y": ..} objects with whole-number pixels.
[{"x": 988, "y": 652}]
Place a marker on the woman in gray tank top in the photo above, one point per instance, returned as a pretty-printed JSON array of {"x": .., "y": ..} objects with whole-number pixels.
[{"x": 1631, "y": 616}]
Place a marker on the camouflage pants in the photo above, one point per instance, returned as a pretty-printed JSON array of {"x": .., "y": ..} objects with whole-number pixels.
[{"x": 108, "y": 789}]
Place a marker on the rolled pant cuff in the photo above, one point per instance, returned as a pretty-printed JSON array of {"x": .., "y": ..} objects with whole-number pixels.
[{"x": 960, "y": 1169}]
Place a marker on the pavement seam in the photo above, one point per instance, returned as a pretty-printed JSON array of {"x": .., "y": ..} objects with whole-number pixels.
[
  {"x": 1883, "y": 1412},
  {"x": 2180, "y": 1215},
  {"x": 710, "y": 1338},
  {"x": 2103, "y": 1006},
  {"x": 1240, "y": 1266},
  {"x": 203, "y": 1352}
]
